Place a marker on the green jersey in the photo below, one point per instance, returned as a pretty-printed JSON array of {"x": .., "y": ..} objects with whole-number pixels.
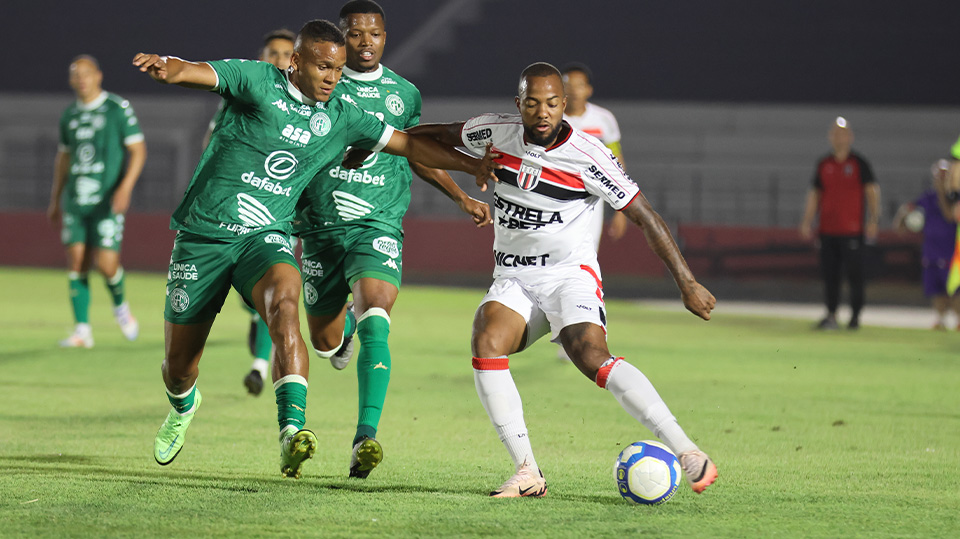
[
  {"x": 269, "y": 143},
  {"x": 378, "y": 193},
  {"x": 95, "y": 135}
]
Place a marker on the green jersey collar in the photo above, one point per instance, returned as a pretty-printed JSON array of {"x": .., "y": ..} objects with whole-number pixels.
[
  {"x": 297, "y": 94},
  {"x": 368, "y": 76},
  {"x": 93, "y": 104}
]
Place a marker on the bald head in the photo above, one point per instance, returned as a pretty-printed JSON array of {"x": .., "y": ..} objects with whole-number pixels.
[{"x": 841, "y": 137}]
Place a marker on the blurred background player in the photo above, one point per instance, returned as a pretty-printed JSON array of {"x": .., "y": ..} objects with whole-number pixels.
[
  {"x": 842, "y": 185},
  {"x": 594, "y": 120},
  {"x": 351, "y": 226},
  {"x": 99, "y": 160},
  {"x": 277, "y": 50},
  {"x": 939, "y": 235}
]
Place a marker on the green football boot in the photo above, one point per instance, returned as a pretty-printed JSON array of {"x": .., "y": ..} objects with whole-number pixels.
[
  {"x": 294, "y": 449},
  {"x": 173, "y": 433}
]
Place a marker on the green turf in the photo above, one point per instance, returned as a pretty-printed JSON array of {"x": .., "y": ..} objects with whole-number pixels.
[{"x": 830, "y": 435}]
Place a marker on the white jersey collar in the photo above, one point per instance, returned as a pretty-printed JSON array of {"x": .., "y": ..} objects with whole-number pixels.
[
  {"x": 368, "y": 76},
  {"x": 93, "y": 104},
  {"x": 297, "y": 94}
]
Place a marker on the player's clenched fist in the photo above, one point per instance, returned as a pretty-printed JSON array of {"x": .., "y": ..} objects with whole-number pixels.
[{"x": 698, "y": 300}]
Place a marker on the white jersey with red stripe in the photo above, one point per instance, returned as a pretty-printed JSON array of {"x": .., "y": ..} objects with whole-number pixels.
[
  {"x": 596, "y": 121},
  {"x": 545, "y": 199}
]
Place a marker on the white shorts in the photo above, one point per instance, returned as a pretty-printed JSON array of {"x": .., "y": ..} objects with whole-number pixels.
[{"x": 551, "y": 306}]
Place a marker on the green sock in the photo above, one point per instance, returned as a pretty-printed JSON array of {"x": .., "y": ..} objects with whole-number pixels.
[
  {"x": 291, "y": 391},
  {"x": 183, "y": 403},
  {"x": 80, "y": 297},
  {"x": 349, "y": 325},
  {"x": 373, "y": 370},
  {"x": 115, "y": 285},
  {"x": 262, "y": 343}
]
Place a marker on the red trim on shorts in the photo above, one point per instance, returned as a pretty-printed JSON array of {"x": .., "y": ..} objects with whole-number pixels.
[
  {"x": 604, "y": 372},
  {"x": 491, "y": 363},
  {"x": 589, "y": 270}
]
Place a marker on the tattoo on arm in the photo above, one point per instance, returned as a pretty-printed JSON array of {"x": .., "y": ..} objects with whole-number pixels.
[{"x": 659, "y": 239}]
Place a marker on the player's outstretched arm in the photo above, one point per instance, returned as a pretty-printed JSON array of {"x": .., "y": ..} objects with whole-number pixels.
[
  {"x": 697, "y": 299},
  {"x": 427, "y": 151},
  {"x": 450, "y": 134},
  {"x": 173, "y": 70},
  {"x": 478, "y": 211}
]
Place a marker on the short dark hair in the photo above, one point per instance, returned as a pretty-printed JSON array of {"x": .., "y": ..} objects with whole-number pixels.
[
  {"x": 280, "y": 33},
  {"x": 539, "y": 69},
  {"x": 88, "y": 58},
  {"x": 582, "y": 68},
  {"x": 319, "y": 30},
  {"x": 359, "y": 7}
]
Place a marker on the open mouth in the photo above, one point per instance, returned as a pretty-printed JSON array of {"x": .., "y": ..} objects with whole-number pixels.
[{"x": 366, "y": 56}]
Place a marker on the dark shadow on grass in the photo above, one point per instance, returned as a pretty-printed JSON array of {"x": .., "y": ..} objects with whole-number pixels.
[{"x": 96, "y": 469}]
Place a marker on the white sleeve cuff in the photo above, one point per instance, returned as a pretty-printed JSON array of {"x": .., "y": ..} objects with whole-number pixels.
[
  {"x": 133, "y": 139},
  {"x": 384, "y": 138}
]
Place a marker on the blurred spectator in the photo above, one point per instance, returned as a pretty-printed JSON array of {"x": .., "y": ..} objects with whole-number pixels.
[
  {"x": 842, "y": 185},
  {"x": 939, "y": 235}
]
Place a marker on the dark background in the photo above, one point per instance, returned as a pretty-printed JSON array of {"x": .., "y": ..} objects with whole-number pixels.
[{"x": 780, "y": 51}]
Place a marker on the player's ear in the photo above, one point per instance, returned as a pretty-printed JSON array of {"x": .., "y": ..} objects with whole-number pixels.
[
  {"x": 517, "y": 100},
  {"x": 295, "y": 61}
]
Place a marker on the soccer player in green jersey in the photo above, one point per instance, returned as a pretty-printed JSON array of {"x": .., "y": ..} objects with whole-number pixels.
[
  {"x": 100, "y": 157},
  {"x": 350, "y": 222},
  {"x": 277, "y": 131}
]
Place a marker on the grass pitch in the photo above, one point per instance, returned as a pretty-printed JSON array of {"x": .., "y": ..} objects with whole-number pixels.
[{"x": 815, "y": 435}]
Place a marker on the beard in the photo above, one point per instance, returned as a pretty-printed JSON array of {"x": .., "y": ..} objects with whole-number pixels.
[{"x": 542, "y": 139}]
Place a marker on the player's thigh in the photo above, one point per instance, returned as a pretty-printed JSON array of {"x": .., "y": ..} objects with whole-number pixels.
[
  {"x": 325, "y": 288},
  {"x": 73, "y": 230},
  {"x": 508, "y": 320},
  {"x": 374, "y": 259},
  {"x": 106, "y": 229},
  {"x": 574, "y": 297},
  {"x": 198, "y": 279},
  {"x": 266, "y": 273}
]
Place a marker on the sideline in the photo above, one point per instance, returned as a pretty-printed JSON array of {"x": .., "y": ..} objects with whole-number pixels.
[{"x": 872, "y": 315}]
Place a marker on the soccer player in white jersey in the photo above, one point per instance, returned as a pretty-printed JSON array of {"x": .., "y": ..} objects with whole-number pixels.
[{"x": 546, "y": 278}]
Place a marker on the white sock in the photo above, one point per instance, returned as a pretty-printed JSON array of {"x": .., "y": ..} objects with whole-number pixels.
[
  {"x": 500, "y": 398},
  {"x": 83, "y": 329},
  {"x": 260, "y": 365},
  {"x": 639, "y": 398}
]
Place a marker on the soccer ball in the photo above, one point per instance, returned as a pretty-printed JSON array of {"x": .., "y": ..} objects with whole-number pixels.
[
  {"x": 913, "y": 221},
  {"x": 647, "y": 473}
]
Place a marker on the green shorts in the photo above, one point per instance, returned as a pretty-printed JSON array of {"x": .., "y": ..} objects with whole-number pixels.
[
  {"x": 202, "y": 270},
  {"x": 101, "y": 228},
  {"x": 335, "y": 258}
]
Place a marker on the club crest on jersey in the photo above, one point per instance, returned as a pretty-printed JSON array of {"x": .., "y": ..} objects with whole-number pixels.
[
  {"x": 528, "y": 176},
  {"x": 394, "y": 104},
  {"x": 320, "y": 124}
]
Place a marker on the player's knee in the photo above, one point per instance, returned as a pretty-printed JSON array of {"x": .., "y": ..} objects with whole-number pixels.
[
  {"x": 326, "y": 345},
  {"x": 488, "y": 344}
]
